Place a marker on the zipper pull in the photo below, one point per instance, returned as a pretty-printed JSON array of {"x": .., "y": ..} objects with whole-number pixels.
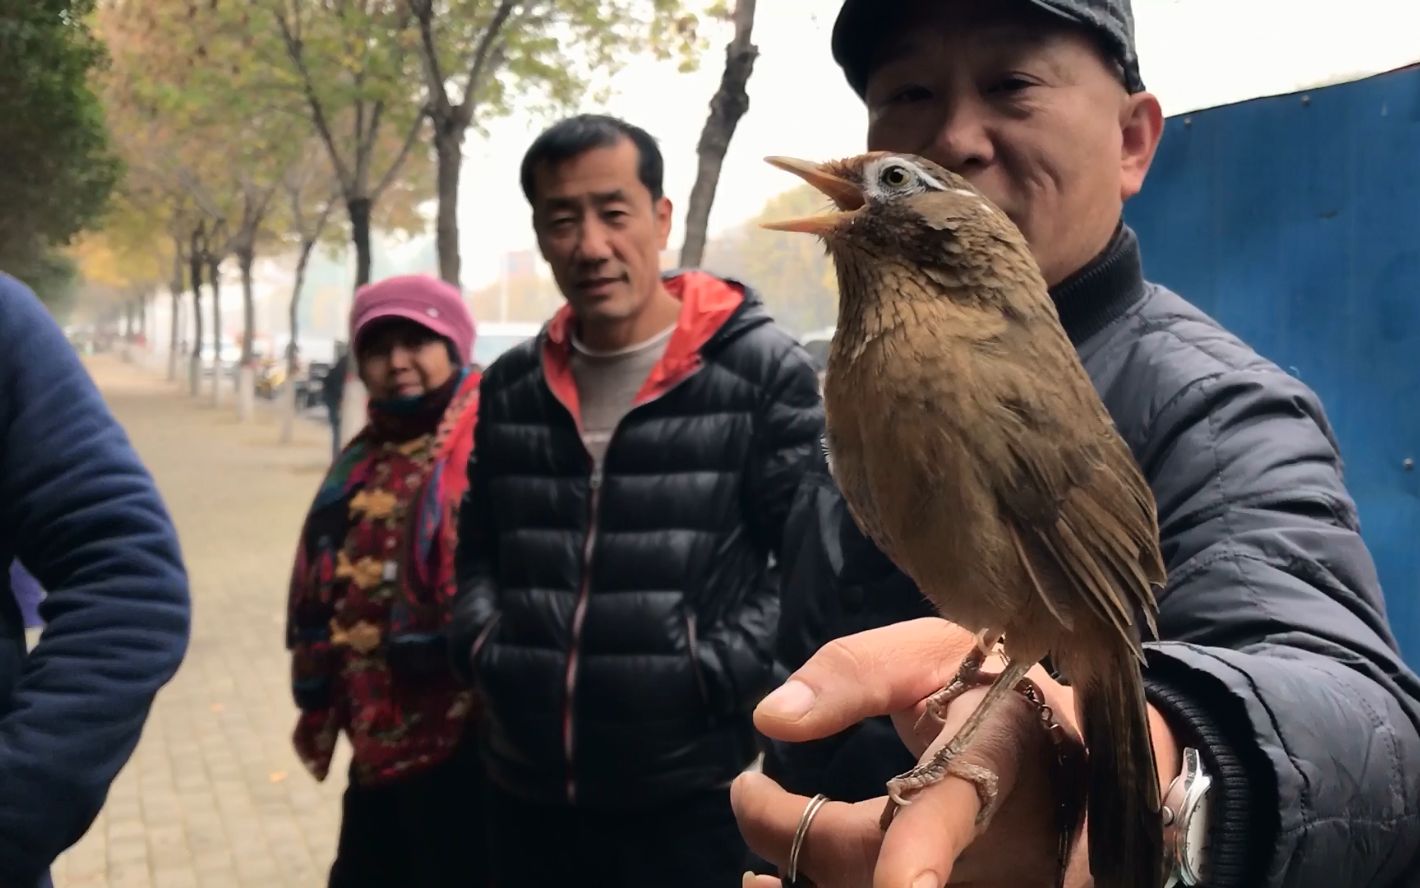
[{"x": 595, "y": 482}]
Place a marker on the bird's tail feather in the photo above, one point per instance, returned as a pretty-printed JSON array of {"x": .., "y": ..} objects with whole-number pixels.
[{"x": 1125, "y": 829}]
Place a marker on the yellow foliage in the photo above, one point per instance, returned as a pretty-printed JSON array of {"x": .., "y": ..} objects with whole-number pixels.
[
  {"x": 104, "y": 264},
  {"x": 792, "y": 272}
]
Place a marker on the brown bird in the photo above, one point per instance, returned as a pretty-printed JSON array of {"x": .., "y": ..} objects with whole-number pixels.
[{"x": 971, "y": 447}]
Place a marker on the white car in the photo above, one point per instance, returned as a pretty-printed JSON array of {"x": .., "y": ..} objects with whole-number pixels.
[{"x": 230, "y": 356}]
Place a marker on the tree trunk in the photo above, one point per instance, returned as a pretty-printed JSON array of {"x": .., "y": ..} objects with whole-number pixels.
[
  {"x": 194, "y": 365},
  {"x": 293, "y": 363},
  {"x": 175, "y": 288},
  {"x": 173, "y": 334},
  {"x": 246, "y": 258},
  {"x": 359, "y": 209},
  {"x": 246, "y": 370},
  {"x": 448, "y": 144},
  {"x": 214, "y": 277},
  {"x": 354, "y": 406},
  {"x": 729, "y": 104}
]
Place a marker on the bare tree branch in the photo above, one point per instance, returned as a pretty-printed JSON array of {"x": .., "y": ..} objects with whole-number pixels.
[
  {"x": 365, "y": 147},
  {"x": 727, "y": 106},
  {"x": 438, "y": 87},
  {"x": 480, "y": 61},
  {"x": 296, "y": 51},
  {"x": 393, "y": 170}
]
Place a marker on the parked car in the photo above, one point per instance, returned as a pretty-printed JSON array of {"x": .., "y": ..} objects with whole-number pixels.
[{"x": 230, "y": 357}]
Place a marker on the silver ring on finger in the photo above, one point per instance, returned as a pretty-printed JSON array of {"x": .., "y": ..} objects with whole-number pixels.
[{"x": 810, "y": 811}]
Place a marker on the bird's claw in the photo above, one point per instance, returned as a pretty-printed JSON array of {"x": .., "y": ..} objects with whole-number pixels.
[
  {"x": 983, "y": 780},
  {"x": 945, "y": 763},
  {"x": 968, "y": 676}
]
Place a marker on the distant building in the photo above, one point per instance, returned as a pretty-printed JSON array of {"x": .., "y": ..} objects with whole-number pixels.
[{"x": 521, "y": 263}]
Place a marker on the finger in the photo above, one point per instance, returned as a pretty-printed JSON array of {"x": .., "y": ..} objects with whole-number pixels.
[
  {"x": 946, "y": 810},
  {"x": 937, "y": 836},
  {"x": 750, "y": 880},
  {"x": 877, "y": 672},
  {"x": 841, "y": 843},
  {"x": 926, "y": 837}
]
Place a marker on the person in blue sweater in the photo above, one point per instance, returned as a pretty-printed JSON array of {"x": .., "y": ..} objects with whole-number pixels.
[{"x": 83, "y": 515}]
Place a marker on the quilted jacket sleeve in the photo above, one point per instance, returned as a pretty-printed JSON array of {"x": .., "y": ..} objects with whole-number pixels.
[
  {"x": 475, "y": 603},
  {"x": 736, "y": 655},
  {"x": 84, "y": 516},
  {"x": 1278, "y": 660}
]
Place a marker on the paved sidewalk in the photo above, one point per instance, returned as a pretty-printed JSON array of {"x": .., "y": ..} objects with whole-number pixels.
[{"x": 214, "y": 796}]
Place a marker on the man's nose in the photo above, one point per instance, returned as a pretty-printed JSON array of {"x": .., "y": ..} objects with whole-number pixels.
[
  {"x": 594, "y": 245},
  {"x": 962, "y": 142}
]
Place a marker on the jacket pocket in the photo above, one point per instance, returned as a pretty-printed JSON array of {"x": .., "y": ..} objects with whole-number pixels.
[
  {"x": 692, "y": 646},
  {"x": 415, "y": 657},
  {"x": 481, "y": 644}
]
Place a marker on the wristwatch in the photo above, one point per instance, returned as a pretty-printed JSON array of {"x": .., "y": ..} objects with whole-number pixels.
[{"x": 1185, "y": 814}]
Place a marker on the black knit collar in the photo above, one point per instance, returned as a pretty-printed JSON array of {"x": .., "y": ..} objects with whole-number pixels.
[{"x": 1095, "y": 296}]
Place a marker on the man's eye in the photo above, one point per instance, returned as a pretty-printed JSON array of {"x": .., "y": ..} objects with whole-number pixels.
[
  {"x": 909, "y": 94},
  {"x": 559, "y": 223},
  {"x": 1011, "y": 84}
]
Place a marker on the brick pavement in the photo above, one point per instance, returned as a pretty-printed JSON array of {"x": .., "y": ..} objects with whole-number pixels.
[{"x": 214, "y": 796}]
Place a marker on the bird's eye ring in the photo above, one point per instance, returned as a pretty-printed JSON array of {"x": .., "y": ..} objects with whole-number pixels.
[{"x": 894, "y": 176}]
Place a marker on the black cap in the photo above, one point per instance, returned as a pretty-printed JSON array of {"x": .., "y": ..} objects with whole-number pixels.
[{"x": 861, "y": 24}]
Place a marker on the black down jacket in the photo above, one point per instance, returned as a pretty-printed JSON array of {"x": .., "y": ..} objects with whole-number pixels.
[
  {"x": 621, "y": 627},
  {"x": 1275, "y": 658}
]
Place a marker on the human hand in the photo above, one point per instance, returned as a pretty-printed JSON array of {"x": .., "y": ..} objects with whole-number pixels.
[{"x": 890, "y": 671}]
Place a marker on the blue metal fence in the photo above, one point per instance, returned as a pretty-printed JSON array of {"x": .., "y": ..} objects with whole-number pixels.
[{"x": 1295, "y": 221}]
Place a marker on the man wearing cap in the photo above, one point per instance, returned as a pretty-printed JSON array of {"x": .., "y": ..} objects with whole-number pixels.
[
  {"x": 370, "y": 598},
  {"x": 1286, "y": 728},
  {"x": 634, "y": 465}
]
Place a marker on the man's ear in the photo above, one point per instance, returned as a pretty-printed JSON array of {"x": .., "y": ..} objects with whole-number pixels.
[
  {"x": 663, "y": 211},
  {"x": 1141, "y": 120}
]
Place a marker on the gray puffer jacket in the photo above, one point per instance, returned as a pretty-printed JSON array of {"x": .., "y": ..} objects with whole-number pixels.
[{"x": 1276, "y": 658}]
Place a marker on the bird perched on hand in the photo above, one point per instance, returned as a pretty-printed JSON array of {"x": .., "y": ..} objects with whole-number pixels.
[{"x": 971, "y": 447}]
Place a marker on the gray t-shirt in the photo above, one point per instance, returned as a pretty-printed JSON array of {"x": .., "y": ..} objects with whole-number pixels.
[{"x": 607, "y": 382}]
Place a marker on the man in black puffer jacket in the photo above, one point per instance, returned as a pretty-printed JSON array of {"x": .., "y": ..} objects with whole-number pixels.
[{"x": 632, "y": 470}]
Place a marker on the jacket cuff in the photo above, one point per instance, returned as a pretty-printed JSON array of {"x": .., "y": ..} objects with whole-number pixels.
[{"x": 1236, "y": 853}]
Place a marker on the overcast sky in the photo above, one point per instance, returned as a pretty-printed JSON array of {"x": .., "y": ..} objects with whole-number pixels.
[{"x": 1194, "y": 54}]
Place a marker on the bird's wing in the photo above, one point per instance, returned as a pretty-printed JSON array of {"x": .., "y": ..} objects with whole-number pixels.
[{"x": 1078, "y": 507}]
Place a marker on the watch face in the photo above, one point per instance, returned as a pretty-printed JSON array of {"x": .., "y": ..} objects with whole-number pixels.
[
  {"x": 1197, "y": 835},
  {"x": 1195, "y": 839}
]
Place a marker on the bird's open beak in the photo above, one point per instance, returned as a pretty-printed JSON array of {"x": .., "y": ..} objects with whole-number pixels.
[{"x": 844, "y": 194}]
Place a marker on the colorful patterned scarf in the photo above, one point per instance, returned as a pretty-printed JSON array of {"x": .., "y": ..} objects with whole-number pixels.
[{"x": 371, "y": 590}]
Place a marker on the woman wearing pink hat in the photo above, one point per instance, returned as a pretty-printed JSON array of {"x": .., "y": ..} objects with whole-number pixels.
[{"x": 373, "y": 575}]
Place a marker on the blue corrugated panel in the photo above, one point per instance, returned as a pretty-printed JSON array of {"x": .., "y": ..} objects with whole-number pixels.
[{"x": 1295, "y": 221}]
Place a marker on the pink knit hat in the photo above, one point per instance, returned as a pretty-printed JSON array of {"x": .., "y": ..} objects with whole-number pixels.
[{"x": 425, "y": 300}]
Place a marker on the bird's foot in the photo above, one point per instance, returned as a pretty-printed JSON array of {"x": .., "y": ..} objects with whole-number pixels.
[
  {"x": 944, "y": 763},
  {"x": 969, "y": 675}
]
